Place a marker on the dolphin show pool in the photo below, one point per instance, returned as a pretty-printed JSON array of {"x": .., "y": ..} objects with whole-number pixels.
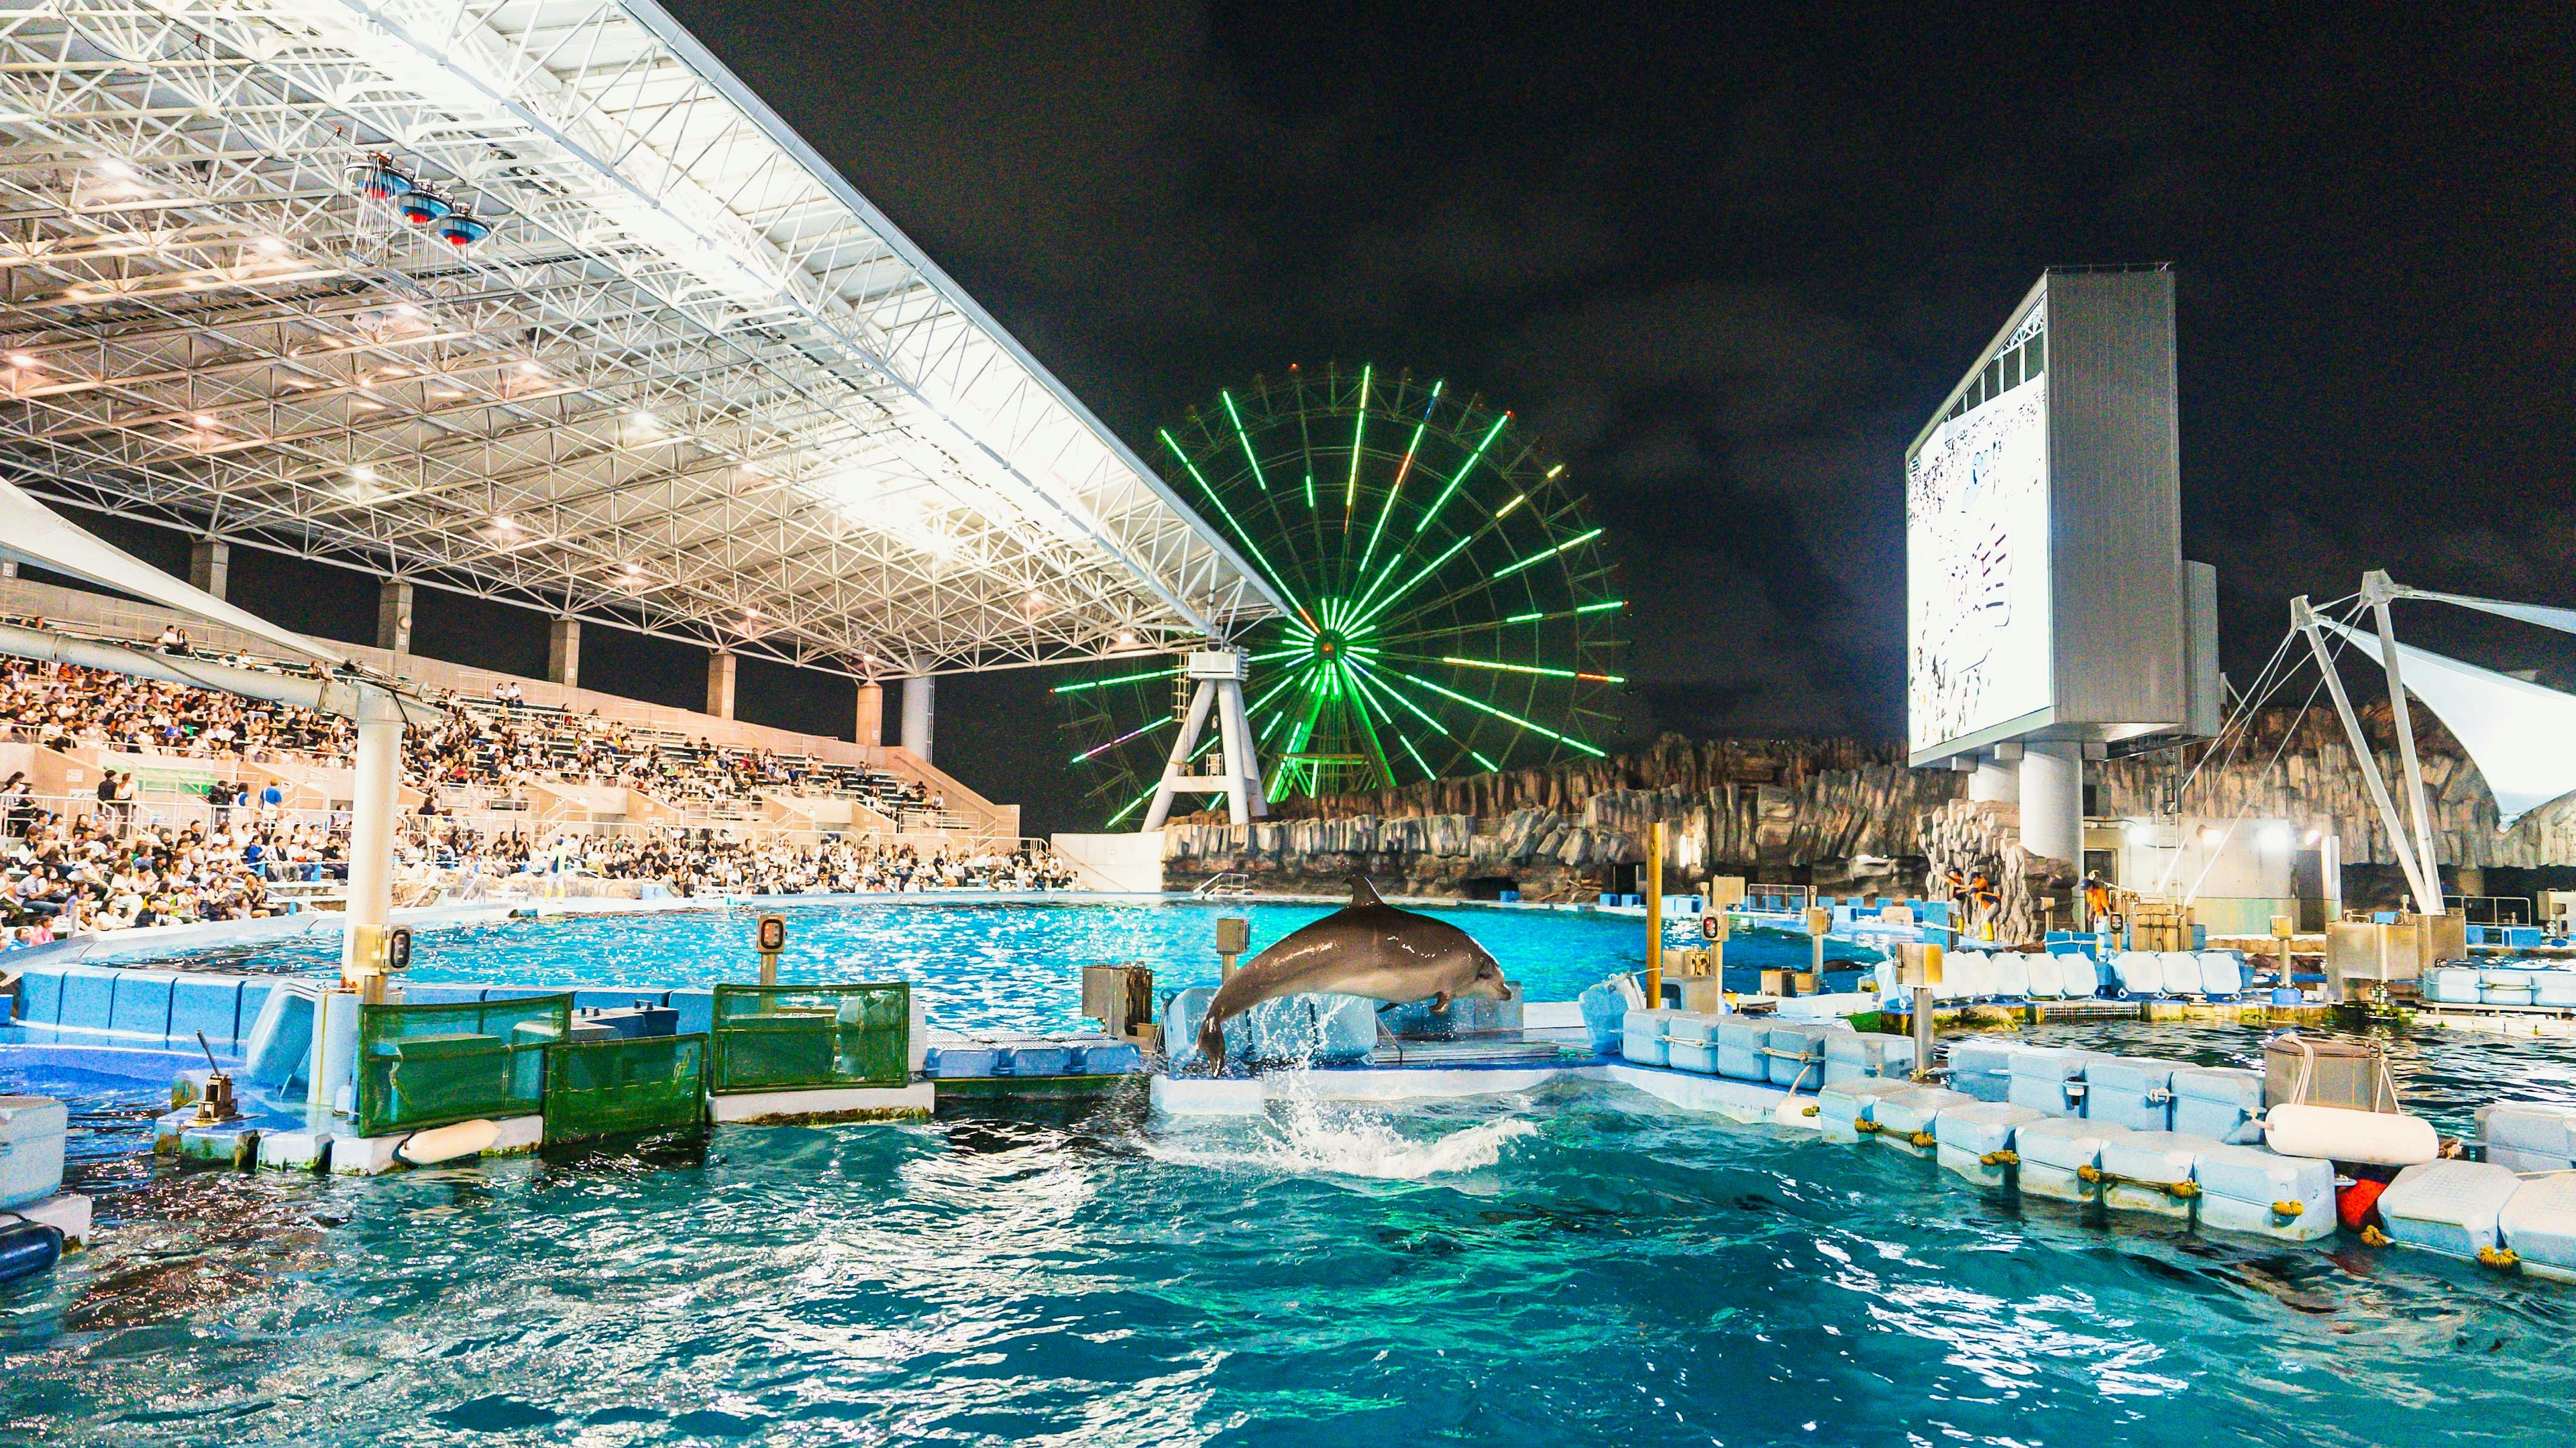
[{"x": 1573, "y": 1261}]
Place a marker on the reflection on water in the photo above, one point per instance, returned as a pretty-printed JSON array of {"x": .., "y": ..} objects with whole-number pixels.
[{"x": 1577, "y": 1265}]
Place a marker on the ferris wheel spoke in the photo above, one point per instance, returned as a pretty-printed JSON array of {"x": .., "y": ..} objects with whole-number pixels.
[
  {"x": 1459, "y": 477},
  {"x": 1228, "y": 514},
  {"x": 1395, "y": 489},
  {"x": 1503, "y": 714},
  {"x": 1502, "y": 667}
]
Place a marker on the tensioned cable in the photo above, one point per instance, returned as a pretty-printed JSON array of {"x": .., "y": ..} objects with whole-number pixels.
[{"x": 2334, "y": 654}]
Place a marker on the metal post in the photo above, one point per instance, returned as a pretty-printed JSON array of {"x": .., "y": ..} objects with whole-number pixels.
[
  {"x": 1655, "y": 915},
  {"x": 2304, "y": 619},
  {"x": 1923, "y": 1033},
  {"x": 371, "y": 839},
  {"x": 1233, "y": 938},
  {"x": 2379, "y": 590}
]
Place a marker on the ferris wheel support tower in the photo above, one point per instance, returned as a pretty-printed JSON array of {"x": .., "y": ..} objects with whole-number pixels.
[{"x": 1219, "y": 676}]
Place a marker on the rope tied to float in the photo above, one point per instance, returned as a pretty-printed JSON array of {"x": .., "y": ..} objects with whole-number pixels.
[
  {"x": 1924, "y": 1138},
  {"x": 2371, "y": 1236},
  {"x": 1810, "y": 1111},
  {"x": 1867, "y": 1127},
  {"x": 2004, "y": 1157},
  {"x": 2502, "y": 1259},
  {"x": 2179, "y": 1191},
  {"x": 2289, "y": 1211}
]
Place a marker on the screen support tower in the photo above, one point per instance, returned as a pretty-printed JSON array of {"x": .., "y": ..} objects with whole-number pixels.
[{"x": 1219, "y": 676}]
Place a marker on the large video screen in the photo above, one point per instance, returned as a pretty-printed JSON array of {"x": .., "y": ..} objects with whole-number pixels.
[{"x": 1976, "y": 552}]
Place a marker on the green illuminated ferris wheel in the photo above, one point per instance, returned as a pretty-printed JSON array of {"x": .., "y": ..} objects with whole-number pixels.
[{"x": 1450, "y": 604}]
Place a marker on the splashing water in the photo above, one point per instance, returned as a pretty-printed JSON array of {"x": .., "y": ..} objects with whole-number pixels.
[{"x": 1303, "y": 1136}]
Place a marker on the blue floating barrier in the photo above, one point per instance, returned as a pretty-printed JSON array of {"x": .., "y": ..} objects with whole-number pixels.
[{"x": 29, "y": 1248}]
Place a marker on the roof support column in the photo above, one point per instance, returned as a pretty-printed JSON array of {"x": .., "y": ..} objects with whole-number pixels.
[
  {"x": 393, "y": 615},
  {"x": 210, "y": 565},
  {"x": 720, "y": 665},
  {"x": 563, "y": 652},
  {"x": 871, "y": 722},
  {"x": 918, "y": 712}
]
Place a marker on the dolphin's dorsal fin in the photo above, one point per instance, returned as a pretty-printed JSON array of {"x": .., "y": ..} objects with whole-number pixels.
[{"x": 1363, "y": 893}]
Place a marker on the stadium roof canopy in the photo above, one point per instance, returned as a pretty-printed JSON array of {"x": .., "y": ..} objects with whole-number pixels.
[{"x": 691, "y": 383}]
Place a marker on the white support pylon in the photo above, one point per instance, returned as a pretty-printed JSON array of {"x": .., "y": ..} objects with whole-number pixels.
[
  {"x": 2377, "y": 590},
  {"x": 1219, "y": 675}
]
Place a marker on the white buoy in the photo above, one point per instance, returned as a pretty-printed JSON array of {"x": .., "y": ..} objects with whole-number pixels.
[
  {"x": 2339, "y": 1133},
  {"x": 446, "y": 1143}
]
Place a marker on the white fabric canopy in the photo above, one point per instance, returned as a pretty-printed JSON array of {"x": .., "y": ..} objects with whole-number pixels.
[
  {"x": 2562, "y": 619},
  {"x": 34, "y": 533},
  {"x": 2521, "y": 736}
]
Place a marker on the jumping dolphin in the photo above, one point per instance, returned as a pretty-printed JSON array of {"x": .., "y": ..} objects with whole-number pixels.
[{"x": 1368, "y": 948}]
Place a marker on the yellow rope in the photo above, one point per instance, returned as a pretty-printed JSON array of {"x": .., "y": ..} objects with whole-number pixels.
[
  {"x": 2502, "y": 1259},
  {"x": 2005, "y": 1157}
]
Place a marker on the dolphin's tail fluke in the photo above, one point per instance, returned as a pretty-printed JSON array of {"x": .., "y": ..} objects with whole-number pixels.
[
  {"x": 1212, "y": 1044},
  {"x": 1362, "y": 892}
]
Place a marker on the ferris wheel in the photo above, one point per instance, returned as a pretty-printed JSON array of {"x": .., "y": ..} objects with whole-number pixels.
[{"x": 1451, "y": 609}]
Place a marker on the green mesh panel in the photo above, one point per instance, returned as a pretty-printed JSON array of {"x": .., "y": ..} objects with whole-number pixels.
[
  {"x": 604, "y": 1088},
  {"x": 783, "y": 1037},
  {"x": 428, "y": 1065}
]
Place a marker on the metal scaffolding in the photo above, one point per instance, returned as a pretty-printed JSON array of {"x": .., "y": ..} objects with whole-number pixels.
[{"x": 691, "y": 383}]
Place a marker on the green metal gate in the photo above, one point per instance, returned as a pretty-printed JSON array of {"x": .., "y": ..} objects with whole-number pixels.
[
  {"x": 786, "y": 1037},
  {"x": 608, "y": 1088},
  {"x": 429, "y": 1065}
]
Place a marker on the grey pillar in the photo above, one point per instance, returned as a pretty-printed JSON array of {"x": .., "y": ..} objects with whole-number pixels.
[
  {"x": 871, "y": 730},
  {"x": 2052, "y": 800},
  {"x": 563, "y": 652},
  {"x": 393, "y": 615},
  {"x": 720, "y": 683},
  {"x": 918, "y": 711},
  {"x": 210, "y": 565}
]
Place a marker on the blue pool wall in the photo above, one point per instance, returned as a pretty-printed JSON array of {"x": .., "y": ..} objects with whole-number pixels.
[{"x": 164, "y": 1010}]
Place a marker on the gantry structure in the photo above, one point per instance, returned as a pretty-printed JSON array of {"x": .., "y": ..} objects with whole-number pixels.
[{"x": 676, "y": 376}]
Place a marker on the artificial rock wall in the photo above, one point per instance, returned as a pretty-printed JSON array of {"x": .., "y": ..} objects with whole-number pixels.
[{"x": 1840, "y": 814}]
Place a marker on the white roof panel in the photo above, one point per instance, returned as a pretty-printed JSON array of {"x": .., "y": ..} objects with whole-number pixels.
[{"x": 692, "y": 383}]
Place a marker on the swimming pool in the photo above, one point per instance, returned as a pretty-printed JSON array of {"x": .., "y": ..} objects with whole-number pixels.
[
  {"x": 980, "y": 965},
  {"x": 1578, "y": 1266}
]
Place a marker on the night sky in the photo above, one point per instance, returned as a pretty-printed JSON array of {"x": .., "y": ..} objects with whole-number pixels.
[{"x": 1729, "y": 265}]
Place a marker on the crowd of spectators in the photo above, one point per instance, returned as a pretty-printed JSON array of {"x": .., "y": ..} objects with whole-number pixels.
[{"x": 96, "y": 863}]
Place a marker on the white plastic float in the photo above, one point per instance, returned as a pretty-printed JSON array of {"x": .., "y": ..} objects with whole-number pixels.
[
  {"x": 2340, "y": 1133},
  {"x": 2061, "y": 1157}
]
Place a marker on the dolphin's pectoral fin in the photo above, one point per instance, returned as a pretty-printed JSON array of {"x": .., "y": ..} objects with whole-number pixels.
[
  {"x": 1362, "y": 892},
  {"x": 1440, "y": 1001}
]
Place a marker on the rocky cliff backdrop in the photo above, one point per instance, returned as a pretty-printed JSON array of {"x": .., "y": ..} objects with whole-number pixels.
[{"x": 1842, "y": 815}]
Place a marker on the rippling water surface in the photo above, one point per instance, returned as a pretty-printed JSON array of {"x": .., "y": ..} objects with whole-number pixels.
[
  {"x": 1574, "y": 1267},
  {"x": 1000, "y": 965}
]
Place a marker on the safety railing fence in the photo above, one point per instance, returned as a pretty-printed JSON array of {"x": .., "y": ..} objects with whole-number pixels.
[
  {"x": 788, "y": 1037},
  {"x": 2492, "y": 909},
  {"x": 1790, "y": 899},
  {"x": 433, "y": 1064}
]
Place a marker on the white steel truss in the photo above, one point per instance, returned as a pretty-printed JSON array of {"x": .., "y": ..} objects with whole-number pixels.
[{"x": 691, "y": 384}]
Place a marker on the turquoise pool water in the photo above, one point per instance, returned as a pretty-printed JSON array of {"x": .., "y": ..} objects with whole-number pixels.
[
  {"x": 998, "y": 965},
  {"x": 1581, "y": 1266}
]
